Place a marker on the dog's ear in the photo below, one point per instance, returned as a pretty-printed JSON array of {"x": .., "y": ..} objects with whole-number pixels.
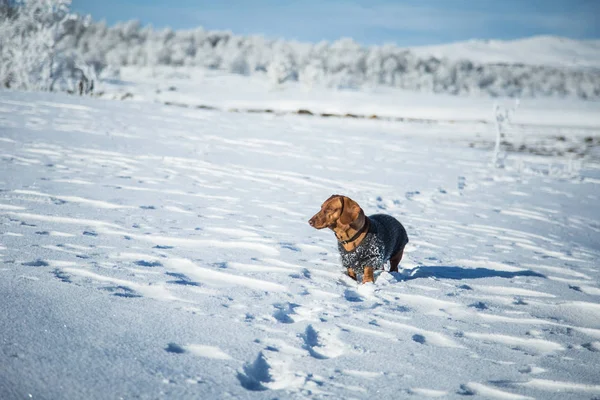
[
  {"x": 333, "y": 196},
  {"x": 350, "y": 212}
]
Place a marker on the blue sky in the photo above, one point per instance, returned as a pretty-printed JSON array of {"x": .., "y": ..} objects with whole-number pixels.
[{"x": 406, "y": 23}]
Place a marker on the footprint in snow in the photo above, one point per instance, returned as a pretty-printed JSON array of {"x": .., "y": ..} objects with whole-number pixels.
[
  {"x": 311, "y": 341},
  {"x": 411, "y": 195},
  {"x": 145, "y": 263},
  {"x": 479, "y": 305},
  {"x": 36, "y": 263},
  {"x": 305, "y": 273},
  {"x": 283, "y": 312},
  {"x": 174, "y": 348},
  {"x": 122, "y": 291},
  {"x": 181, "y": 279},
  {"x": 61, "y": 275},
  {"x": 531, "y": 369},
  {"x": 465, "y": 391},
  {"x": 419, "y": 339},
  {"x": 592, "y": 346},
  {"x": 289, "y": 246},
  {"x": 352, "y": 296},
  {"x": 253, "y": 376},
  {"x": 322, "y": 344}
]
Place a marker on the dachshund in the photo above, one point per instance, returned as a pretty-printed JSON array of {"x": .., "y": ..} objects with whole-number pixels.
[{"x": 365, "y": 243}]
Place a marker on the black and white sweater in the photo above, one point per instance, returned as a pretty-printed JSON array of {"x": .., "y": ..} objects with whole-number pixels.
[{"x": 386, "y": 236}]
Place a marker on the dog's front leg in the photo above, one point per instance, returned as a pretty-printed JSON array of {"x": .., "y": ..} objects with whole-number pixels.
[
  {"x": 368, "y": 275},
  {"x": 351, "y": 273}
]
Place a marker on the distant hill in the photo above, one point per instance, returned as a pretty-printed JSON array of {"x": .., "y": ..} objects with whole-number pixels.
[{"x": 538, "y": 50}]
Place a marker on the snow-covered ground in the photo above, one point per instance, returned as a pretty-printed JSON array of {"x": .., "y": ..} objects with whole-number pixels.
[
  {"x": 541, "y": 126},
  {"x": 151, "y": 251},
  {"x": 199, "y": 87}
]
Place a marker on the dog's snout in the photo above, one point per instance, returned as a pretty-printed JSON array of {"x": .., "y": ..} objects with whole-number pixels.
[{"x": 311, "y": 221}]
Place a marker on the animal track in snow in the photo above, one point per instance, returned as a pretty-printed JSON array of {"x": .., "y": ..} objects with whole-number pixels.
[
  {"x": 36, "y": 263},
  {"x": 283, "y": 312},
  {"x": 174, "y": 348},
  {"x": 61, "y": 275},
  {"x": 419, "y": 338},
  {"x": 352, "y": 296},
  {"x": 273, "y": 369},
  {"x": 322, "y": 344},
  {"x": 254, "y": 376},
  {"x": 121, "y": 291},
  {"x": 181, "y": 279},
  {"x": 145, "y": 263}
]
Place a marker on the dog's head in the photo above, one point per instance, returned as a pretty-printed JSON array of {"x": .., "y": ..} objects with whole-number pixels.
[{"x": 337, "y": 212}]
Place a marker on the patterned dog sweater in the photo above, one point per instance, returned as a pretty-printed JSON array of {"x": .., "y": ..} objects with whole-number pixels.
[{"x": 386, "y": 236}]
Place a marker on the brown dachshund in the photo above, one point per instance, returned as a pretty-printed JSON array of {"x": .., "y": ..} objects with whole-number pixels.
[{"x": 365, "y": 243}]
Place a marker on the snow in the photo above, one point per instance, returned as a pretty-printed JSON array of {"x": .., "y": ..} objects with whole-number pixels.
[
  {"x": 195, "y": 87},
  {"x": 156, "y": 251}
]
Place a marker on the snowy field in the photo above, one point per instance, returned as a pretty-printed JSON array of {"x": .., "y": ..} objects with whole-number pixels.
[
  {"x": 150, "y": 251},
  {"x": 196, "y": 87}
]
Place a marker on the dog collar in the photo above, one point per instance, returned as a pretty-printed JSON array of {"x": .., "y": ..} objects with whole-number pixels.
[{"x": 357, "y": 234}]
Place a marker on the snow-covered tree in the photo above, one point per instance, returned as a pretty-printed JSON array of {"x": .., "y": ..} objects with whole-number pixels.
[
  {"x": 30, "y": 34},
  {"x": 313, "y": 74},
  {"x": 282, "y": 68}
]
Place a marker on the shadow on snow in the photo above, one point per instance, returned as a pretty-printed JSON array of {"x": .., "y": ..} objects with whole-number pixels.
[{"x": 454, "y": 272}]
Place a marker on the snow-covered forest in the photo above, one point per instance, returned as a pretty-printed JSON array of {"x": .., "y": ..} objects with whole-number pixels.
[{"x": 343, "y": 64}]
